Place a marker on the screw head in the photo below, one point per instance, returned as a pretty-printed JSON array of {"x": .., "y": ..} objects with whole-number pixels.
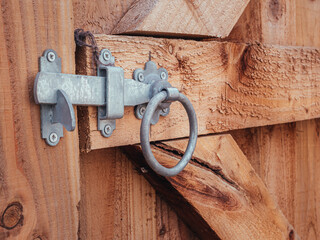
[
  {"x": 106, "y": 55},
  {"x": 107, "y": 129},
  {"x": 141, "y": 77},
  {"x": 165, "y": 110},
  {"x": 142, "y": 110},
  {"x": 143, "y": 170},
  {"x": 163, "y": 75},
  {"x": 53, "y": 137},
  {"x": 51, "y": 56}
]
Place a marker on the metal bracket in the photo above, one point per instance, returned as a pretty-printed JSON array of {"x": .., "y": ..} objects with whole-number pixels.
[
  {"x": 109, "y": 91},
  {"x": 149, "y": 92}
]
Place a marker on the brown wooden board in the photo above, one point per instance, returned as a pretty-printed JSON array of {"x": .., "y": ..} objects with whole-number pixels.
[
  {"x": 99, "y": 16},
  {"x": 197, "y": 18},
  {"x": 218, "y": 194},
  {"x": 231, "y": 85},
  {"x": 102, "y": 17},
  {"x": 285, "y": 156},
  {"x": 118, "y": 203},
  {"x": 39, "y": 185}
]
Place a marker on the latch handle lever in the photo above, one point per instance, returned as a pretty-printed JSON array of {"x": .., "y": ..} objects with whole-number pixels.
[{"x": 63, "y": 111}]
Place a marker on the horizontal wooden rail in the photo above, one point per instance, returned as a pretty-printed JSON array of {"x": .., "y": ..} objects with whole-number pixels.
[
  {"x": 231, "y": 86},
  {"x": 218, "y": 194}
]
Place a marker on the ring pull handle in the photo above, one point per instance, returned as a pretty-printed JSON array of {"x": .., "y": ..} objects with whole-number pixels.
[{"x": 168, "y": 94}]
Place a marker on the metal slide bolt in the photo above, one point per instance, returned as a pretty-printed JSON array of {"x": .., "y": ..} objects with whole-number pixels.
[{"x": 171, "y": 94}]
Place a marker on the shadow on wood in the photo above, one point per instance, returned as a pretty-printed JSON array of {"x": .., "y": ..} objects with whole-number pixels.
[{"x": 218, "y": 194}]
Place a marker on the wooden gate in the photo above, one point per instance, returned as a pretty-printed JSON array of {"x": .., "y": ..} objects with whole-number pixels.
[{"x": 251, "y": 70}]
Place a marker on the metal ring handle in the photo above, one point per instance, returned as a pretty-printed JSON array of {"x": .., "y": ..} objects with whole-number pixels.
[{"x": 145, "y": 129}]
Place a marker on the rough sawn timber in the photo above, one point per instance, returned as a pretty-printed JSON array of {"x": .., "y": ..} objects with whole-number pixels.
[
  {"x": 218, "y": 194},
  {"x": 118, "y": 203},
  {"x": 231, "y": 85},
  {"x": 181, "y": 17},
  {"x": 39, "y": 184},
  {"x": 286, "y": 156}
]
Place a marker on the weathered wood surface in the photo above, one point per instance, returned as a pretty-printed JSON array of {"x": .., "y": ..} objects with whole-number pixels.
[
  {"x": 102, "y": 17},
  {"x": 231, "y": 85},
  {"x": 218, "y": 190},
  {"x": 201, "y": 18},
  {"x": 279, "y": 22},
  {"x": 286, "y": 156},
  {"x": 39, "y": 185},
  {"x": 169, "y": 225},
  {"x": 99, "y": 16},
  {"x": 118, "y": 203}
]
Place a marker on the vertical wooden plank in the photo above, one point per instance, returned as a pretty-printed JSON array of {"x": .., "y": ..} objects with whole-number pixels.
[
  {"x": 97, "y": 195},
  {"x": 169, "y": 225},
  {"x": 307, "y": 23},
  {"x": 118, "y": 203},
  {"x": 39, "y": 185},
  {"x": 285, "y": 156},
  {"x": 307, "y": 188},
  {"x": 271, "y": 21}
]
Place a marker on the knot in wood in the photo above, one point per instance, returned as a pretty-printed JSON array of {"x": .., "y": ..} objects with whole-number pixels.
[{"x": 12, "y": 216}]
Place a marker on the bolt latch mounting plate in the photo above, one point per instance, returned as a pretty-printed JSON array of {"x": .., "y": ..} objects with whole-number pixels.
[{"x": 57, "y": 92}]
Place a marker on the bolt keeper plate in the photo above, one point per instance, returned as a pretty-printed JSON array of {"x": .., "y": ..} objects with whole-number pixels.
[{"x": 51, "y": 132}]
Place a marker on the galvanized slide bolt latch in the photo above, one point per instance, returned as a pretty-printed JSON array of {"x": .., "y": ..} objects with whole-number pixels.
[{"x": 149, "y": 92}]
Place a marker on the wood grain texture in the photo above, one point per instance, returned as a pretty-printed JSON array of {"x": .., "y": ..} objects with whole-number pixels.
[
  {"x": 197, "y": 18},
  {"x": 219, "y": 189},
  {"x": 39, "y": 185},
  {"x": 307, "y": 141},
  {"x": 94, "y": 16},
  {"x": 272, "y": 152},
  {"x": 286, "y": 157},
  {"x": 279, "y": 22},
  {"x": 230, "y": 85},
  {"x": 282, "y": 154},
  {"x": 99, "y": 16},
  {"x": 118, "y": 203},
  {"x": 100, "y": 217},
  {"x": 169, "y": 225},
  {"x": 268, "y": 21},
  {"x": 307, "y": 19},
  {"x": 307, "y": 197}
]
